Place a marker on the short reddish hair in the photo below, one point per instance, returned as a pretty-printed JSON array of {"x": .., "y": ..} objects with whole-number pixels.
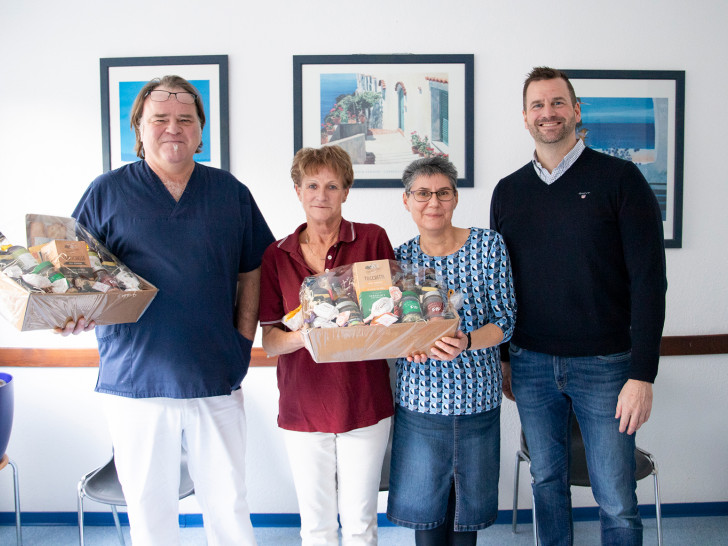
[{"x": 312, "y": 160}]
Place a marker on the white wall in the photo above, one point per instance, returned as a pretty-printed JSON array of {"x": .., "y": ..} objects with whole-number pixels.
[{"x": 50, "y": 149}]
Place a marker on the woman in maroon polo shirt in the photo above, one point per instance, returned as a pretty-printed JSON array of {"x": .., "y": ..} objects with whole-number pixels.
[{"x": 335, "y": 416}]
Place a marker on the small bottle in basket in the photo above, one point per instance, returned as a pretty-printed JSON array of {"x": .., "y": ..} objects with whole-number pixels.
[{"x": 102, "y": 275}]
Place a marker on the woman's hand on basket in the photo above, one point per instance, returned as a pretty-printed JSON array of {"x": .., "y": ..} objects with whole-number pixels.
[
  {"x": 445, "y": 348},
  {"x": 448, "y": 348}
]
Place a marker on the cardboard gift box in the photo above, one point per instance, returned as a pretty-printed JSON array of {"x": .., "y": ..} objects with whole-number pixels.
[
  {"x": 373, "y": 342},
  {"x": 52, "y": 237},
  {"x": 372, "y": 310}
]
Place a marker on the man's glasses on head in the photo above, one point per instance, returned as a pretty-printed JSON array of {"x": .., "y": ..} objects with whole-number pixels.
[{"x": 158, "y": 95}]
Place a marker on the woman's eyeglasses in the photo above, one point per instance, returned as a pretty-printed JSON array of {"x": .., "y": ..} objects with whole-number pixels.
[{"x": 425, "y": 195}]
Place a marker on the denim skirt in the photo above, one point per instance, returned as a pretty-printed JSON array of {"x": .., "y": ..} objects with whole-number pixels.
[{"x": 432, "y": 454}]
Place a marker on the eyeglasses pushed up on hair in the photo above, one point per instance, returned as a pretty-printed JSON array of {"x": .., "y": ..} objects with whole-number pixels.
[
  {"x": 159, "y": 95},
  {"x": 423, "y": 196}
]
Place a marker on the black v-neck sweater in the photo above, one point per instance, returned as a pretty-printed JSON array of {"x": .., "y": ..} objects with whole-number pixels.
[{"x": 588, "y": 260}]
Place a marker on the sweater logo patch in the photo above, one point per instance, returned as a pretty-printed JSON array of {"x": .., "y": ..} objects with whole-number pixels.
[{"x": 583, "y": 194}]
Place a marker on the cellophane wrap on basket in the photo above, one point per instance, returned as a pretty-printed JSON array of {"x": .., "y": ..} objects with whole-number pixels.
[
  {"x": 375, "y": 309},
  {"x": 65, "y": 273}
]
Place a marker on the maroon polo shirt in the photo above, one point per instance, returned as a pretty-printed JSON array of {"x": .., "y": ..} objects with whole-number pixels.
[{"x": 329, "y": 397}]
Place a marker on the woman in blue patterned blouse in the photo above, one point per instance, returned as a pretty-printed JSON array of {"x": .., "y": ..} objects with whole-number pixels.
[{"x": 446, "y": 447}]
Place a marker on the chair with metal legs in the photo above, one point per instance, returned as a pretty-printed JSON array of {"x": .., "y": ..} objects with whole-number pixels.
[
  {"x": 102, "y": 485},
  {"x": 384, "y": 477},
  {"x": 523, "y": 455},
  {"x": 579, "y": 474},
  {"x": 5, "y": 461}
]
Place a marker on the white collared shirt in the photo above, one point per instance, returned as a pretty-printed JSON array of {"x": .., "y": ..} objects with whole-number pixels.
[{"x": 562, "y": 167}]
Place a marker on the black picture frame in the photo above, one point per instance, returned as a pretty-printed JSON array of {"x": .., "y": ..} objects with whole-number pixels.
[
  {"x": 613, "y": 97},
  {"x": 431, "y": 95},
  {"x": 121, "y": 78}
]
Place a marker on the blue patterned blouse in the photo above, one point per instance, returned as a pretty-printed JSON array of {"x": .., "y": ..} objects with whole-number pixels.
[{"x": 471, "y": 383}]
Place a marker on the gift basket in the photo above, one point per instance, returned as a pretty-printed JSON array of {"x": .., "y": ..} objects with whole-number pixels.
[
  {"x": 375, "y": 309},
  {"x": 64, "y": 272}
]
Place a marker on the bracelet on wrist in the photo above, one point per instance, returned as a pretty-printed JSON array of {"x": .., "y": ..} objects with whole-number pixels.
[{"x": 470, "y": 341}]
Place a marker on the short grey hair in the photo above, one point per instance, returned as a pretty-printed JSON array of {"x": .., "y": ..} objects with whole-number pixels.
[{"x": 429, "y": 166}]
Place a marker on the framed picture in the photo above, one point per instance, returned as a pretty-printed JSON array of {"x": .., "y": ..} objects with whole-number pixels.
[
  {"x": 386, "y": 111},
  {"x": 123, "y": 78},
  {"x": 639, "y": 115}
]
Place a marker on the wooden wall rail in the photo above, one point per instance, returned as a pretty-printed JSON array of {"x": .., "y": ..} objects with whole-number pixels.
[
  {"x": 694, "y": 345},
  {"x": 85, "y": 358},
  {"x": 89, "y": 358}
]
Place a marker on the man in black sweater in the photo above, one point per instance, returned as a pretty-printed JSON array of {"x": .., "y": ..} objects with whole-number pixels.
[{"x": 584, "y": 233}]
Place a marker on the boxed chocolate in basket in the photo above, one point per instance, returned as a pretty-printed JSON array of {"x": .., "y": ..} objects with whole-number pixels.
[
  {"x": 64, "y": 272},
  {"x": 371, "y": 310}
]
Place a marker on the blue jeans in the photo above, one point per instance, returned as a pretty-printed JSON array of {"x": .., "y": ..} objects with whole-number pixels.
[
  {"x": 546, "y": 387},
  {"x": 433, "y": 453}
]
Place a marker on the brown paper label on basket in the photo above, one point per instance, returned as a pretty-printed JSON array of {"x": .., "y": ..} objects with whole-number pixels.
[
  {"x": 71, "y": 254},
  {"x": 371, "y": 281}
]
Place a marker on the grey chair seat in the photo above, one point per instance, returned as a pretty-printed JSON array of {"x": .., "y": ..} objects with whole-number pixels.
[{"x": 102, "y": 485}]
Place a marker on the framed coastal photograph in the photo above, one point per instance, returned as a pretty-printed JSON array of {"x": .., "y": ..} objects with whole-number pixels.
[
  {"x": 386, "y": 111},
  {"x": 122, "y": 79},
  {"x": 639, "y": 115}
]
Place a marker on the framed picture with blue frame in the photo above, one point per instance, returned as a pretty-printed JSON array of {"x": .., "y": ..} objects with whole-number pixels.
[
  {"x": 639, "y": 115},
  {"x": 122, "y": 79},
  {"x": 386, "y": 111}
]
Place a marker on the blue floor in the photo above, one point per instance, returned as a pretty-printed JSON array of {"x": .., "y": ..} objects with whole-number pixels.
[{"x": 677, "y": 531}]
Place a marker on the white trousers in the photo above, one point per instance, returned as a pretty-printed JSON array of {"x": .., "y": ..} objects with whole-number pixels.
[
  {"x": 338, "y": 474},
  {"x": 148, "y": 435}
]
